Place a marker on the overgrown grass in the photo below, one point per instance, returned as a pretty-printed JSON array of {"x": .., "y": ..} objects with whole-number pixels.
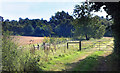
[
  {"x": 58, "y": 62},
  {"x": 15, "y": 59},
  {"x": 63, "y": 62},
  {"x": 62, "y": 48}
]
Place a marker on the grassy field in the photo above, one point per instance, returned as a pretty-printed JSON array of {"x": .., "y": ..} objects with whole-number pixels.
[{"x": 67, "y": 59}]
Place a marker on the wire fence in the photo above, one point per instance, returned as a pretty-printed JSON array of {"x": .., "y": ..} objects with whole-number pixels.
[
  {"x": 61, "y": 48},
  {"x": 94, "y": 46}
]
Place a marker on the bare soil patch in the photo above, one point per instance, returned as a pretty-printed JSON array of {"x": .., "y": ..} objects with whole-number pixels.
[{"x": 25, "y": 40}]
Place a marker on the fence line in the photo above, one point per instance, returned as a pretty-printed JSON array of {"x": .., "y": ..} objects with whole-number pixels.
[{"x": 66, "y": 45}]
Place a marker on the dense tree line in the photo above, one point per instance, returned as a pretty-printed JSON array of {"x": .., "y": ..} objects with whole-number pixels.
[{"x": 61, "y": 25}]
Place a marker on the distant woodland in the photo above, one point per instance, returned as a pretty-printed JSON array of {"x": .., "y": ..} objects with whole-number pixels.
[{"x": 62, "y": 25}]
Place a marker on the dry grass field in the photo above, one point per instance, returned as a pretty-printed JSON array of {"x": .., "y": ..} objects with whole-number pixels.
[{"x": 25, "y": 40}]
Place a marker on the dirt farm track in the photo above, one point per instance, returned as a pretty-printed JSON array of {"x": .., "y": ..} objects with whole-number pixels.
[{"x": 24, "y": 40}]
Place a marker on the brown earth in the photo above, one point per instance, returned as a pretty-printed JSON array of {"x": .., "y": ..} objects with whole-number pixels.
[{"x": 25, "y": 40}]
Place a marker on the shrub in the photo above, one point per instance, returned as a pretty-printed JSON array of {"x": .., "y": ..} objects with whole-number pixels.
[
  {"x": 46, "y": 40},
  {"x": 14, "y": 59},
  {"x": 9, "y": 53}
]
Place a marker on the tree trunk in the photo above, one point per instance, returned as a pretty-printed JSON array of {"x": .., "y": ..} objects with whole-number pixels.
[
  {"x": 86, "y": 37},
  {"x": 116, "y": 34}
]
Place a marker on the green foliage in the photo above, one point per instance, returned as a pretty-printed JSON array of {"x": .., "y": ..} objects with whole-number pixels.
[
  {"x": 55, "y": 40},
  {"x": 59, "y": 25},
  {"x": 28, "y": 29},
  {"x": 52, "y": 40},
  {"x": 23, "y": 60},
  {"x": 46, "y": 40},
  {"x": 28, "y": 61},
  {"x": 14, "y": 59},
  {"x": 39, "y": 31},
  {"x": 9, "y": 53},
  {"x": 86, "y": 25},
  {"x": 113, "y": 11}
]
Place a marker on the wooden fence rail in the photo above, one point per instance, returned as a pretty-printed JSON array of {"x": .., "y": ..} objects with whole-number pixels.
[{"x": 74, "y": 42}]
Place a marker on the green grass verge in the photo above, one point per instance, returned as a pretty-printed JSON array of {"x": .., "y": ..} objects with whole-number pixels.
[
  {"x": 59, "y": 63},
  {"x": 62, "y": 62},
  {"x": 89, "y": 62}
]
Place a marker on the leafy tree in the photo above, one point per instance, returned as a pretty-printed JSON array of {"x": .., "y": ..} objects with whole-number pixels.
[
  {"x": 86, "y": 25},
  {"x": 113, "y": 9},
  {"x": 82, "y": 20},
  {"x": 26, "y": 26},
  {"x": 28, "y": 30},
  {"x": 98, "y": 29},
  {"x": 61, "y": 24},
  {"x": 6, "y": 25},
  {"x": 47, "y": 30},
  {"x": 21, "y": 21},
  {"x": 38, "y": 31},
  {"x": 107, "y": 24}
]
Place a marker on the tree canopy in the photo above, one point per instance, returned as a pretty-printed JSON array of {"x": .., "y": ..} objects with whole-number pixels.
[
  {"x": 87, "y": 25},
  {"x": 59, "y": 25}
]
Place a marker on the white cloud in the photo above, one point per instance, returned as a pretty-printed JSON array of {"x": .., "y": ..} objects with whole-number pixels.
[{"x": 101, "y": 12}]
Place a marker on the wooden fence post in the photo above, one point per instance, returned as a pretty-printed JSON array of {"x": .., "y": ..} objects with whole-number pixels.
[
  {"x": 80, "y": 45},
  {"x": 67, "y": 45},
  {"x": 99, "y": 45}
]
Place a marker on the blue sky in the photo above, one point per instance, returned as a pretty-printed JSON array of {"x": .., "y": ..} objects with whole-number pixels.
[{"x": 34, "y": 9}]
